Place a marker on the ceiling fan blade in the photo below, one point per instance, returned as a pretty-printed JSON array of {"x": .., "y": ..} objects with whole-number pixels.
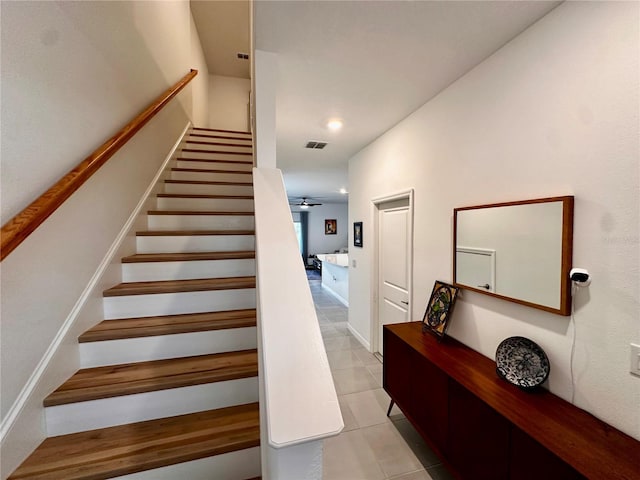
[{"x": 303, "y": 202}]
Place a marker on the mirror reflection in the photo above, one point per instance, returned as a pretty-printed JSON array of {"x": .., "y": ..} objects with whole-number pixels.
[{"x": 520, "y": 251}]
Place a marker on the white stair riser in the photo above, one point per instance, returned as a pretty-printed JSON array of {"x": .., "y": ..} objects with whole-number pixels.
[
  {"x": 211, "y": 176},
  {"x": 204, "y": 189},
  {"x": 108, "y": 412},
  {"x": 131, "y": 306},
  {"x": 200, "y": 222},
  {"x": 152, "y": 271},
  {"x": 206, "y": 204},
  {"x": 194, "y": 243},
  {"x": 245, "y": 167},
  {"x": 219, "y": 148},
  {"x": 241, "y": 464},
  {"x": 129, "y": 350},
  {"x": 243, "y": 135},
  {"x": 234, "y": 157}
]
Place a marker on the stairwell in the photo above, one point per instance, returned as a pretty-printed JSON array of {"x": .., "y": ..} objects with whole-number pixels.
[{"x": 168, "y": 386}]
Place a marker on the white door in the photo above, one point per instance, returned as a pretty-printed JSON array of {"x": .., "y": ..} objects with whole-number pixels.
[
  {"x": 476, "y": 267},
  {"x": 393, "y": 268}
]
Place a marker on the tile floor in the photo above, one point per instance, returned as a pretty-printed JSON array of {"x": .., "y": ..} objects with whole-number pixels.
[{"x": 372, "y": 446}]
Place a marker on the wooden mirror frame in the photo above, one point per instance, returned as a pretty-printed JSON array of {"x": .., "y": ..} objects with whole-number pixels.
[{"x": 566, "y": 261}]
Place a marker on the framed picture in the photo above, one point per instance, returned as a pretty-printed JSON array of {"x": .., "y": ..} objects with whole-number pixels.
[
  {"x": 330, "y": 226},
  {"x": 357, "y": 234},
  {"x": 439, "y": 308}
]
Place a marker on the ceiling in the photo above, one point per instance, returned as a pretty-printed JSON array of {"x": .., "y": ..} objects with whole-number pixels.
[
  {"x": 369, "y": 63},
  {"x": 223, "y": 28}
]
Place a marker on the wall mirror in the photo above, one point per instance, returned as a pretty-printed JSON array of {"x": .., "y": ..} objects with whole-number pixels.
[{"x": 517, "y": 251}]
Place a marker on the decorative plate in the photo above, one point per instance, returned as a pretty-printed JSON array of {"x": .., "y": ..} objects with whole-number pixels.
[{"x": 522, "y": 362}]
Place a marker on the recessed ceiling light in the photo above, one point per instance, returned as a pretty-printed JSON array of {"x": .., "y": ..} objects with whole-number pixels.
[
  {"x": 343, "y": 191},
  {"x": 334, "y": 124}
]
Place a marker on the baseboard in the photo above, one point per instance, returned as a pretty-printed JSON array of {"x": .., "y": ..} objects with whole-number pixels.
[
  {"x": 338, "y": 297},
  {"x": 359, "y": 337},
  {"x": 18, "y": 406}
]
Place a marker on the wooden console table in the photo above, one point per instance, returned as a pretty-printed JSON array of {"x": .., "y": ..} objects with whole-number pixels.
[{"x": 482, "y": 427}]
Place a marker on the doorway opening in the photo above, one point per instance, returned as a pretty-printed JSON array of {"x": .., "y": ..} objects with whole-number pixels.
[
  {"x": 300, "y": 225},
  {"x": 393, "y": 263}
]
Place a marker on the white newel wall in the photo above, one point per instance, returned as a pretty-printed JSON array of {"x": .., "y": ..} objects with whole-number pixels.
[
  {"x": 68, "y": 84},
  {"x": 554, "y": 112},
  {"x": 266, "y": 78},
  {"x": 298, "y": 402}
]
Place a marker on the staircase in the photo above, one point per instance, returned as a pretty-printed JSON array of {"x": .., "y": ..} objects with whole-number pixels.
[{"x": 168, "y": 383}]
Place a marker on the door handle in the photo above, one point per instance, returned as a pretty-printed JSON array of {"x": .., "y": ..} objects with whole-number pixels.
[
  {"x": 486, "y": 285},
  {"x": 402, "y": 301}
]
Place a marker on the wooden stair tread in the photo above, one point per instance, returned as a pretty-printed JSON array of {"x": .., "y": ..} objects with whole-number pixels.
[
  {"x": 186, "y": 257},
  {"x": 127, "y": 379},
  {"x": 176, "y": 286},
  {"x": 220, "y": 130},
  {"x": 197, "y": 212},
  {"x": 169, "y": 325},
  {"x": 125, "y": 449},
  {"x": 215, "y": 160},
  {"x": 203, "y": 195},
  {"x": 218, "y": 152},
  {"x": 204, "y": 182},
  {"x": 188, "y": 233}
]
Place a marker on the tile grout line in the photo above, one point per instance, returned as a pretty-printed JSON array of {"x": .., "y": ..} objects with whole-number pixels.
[{"x": 346, "y": 354}]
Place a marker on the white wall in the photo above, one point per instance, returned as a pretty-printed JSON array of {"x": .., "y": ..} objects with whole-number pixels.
[
  {"x": 200, "y": 84},
  {"x": 335, "y": 275},
  {"x": 228, "y": 102},
  {"x": 73, "y": 74},
  {"x": 318, "y": 242},
  {"x": 264, "y": 69},
  {"x": 71, "y": 82},
  {"x": 554, "y": 112}
]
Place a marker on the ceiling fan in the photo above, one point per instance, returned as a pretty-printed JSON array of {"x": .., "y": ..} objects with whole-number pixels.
[{"x": 304, "y": 203}]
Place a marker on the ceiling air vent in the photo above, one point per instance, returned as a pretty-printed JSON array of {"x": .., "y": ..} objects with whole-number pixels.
[
  {"x": 243, "y": 56},
  {"x": 316, "y": 145}
]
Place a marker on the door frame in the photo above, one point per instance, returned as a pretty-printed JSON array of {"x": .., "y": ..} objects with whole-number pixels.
[{"x": 376, "y": 204}]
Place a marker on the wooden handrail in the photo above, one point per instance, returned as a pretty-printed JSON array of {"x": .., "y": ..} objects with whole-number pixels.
[{"x": 16, "y": 230}]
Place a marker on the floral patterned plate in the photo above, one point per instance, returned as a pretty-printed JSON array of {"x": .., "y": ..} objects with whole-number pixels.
[{"x": 522, "y": 362}]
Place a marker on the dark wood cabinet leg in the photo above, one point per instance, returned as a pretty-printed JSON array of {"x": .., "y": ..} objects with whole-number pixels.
[{"x": 391, "y": 404}]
